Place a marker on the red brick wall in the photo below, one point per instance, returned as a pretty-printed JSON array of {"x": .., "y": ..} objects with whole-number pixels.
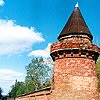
[
  {"x": 75, "y": 79},
  {"x": 38, "y": 95}
]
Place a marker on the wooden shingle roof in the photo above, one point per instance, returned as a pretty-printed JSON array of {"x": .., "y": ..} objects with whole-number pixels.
[{"x": 75, "y": 25}]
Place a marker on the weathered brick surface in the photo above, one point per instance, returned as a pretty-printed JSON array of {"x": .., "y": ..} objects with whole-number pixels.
[
  {"x": 75, "y": 79},
  {"x": 70, "y": 43},
  {"x": 38, "y": 95}
]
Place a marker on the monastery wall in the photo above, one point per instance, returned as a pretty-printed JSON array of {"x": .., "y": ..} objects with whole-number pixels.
[{"x": 37, "y": 95}]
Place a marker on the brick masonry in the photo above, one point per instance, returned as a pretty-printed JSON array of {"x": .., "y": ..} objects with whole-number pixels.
[
  {"x": 37, "y": 95},
  {"x": 75, "y": 79},
  {"x": 74, "y": 76}
]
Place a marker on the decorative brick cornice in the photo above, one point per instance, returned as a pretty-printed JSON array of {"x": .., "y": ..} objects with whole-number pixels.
[
  {"x": 61, "y": 46},
  {"x": 62, "y": 50}
]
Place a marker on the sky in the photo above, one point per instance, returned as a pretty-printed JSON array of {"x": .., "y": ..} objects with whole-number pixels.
[{"x": 29, "y": 27}]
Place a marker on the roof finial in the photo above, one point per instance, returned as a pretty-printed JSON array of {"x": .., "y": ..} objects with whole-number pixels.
[{"x": 76, "y": 4}]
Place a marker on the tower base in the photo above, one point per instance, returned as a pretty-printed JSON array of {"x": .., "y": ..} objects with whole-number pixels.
[{"x": 75, "y": 79}]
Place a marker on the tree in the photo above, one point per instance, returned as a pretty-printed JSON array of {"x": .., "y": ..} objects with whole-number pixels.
[
  {"x": 98, "y": 73},
  {"x": 17, "y": 89},
  {"x": 37, "y": 74},
  {"x": 1, "y": 93}
]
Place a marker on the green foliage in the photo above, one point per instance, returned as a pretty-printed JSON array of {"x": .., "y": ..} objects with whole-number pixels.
[
  {"x": 38, "y": 76},
  {"x": 98, "y": 73},
  {"x": 17, "y": 89},
  {"x": 1, "y": 93}
]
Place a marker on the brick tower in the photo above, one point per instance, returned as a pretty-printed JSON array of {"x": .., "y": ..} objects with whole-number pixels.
[{"x": 74, "y": 56}]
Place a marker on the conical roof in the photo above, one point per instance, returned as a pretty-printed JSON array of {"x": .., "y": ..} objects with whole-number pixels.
[{"x": 75, "y": 25}]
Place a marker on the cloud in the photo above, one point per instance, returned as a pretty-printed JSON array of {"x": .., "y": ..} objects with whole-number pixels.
[
  {"x": 1, "y": 2},
  {"x": 17, "y": 39},
  {"x": 41, "y": 53},
  {"x": 8, "y": 77}
]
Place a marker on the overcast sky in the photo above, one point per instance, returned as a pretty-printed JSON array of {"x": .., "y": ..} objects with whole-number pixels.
[{"x": 28, "y": 27}]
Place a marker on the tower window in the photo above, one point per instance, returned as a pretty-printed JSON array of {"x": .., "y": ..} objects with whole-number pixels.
[
  {"x": 75, "y": 51},
  {"x": 68, "y": 51},
  {"x": 83, "y": 52}
]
